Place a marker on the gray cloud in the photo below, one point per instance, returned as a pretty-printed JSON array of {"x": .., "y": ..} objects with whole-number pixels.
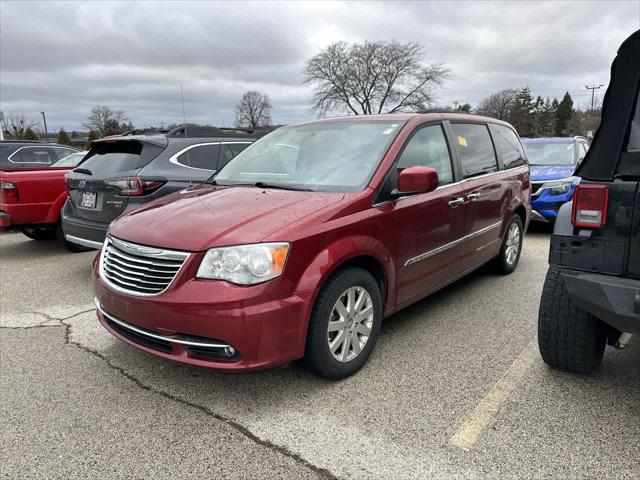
[{"x": 64, "y": 57}]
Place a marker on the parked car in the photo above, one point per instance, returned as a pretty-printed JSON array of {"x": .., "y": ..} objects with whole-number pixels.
[
  {"x": 70, "y": 161},
  {"x": 123, "y": 172},
  {"x": 591, "y": 295},
  {"x": 21, "y": 154},
  {"x": 31, "y": 199},
  {"x": 302, "y": 243},
  {"x": 553, "y": 162}
]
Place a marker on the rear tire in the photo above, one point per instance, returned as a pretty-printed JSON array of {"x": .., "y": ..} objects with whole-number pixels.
[
  {"x": 509, "y": 256},
  {"x": 569, "y": 338},
  {"x": 39, "y": 233},
  {"x": 352, "y": 302},
  {"x": 72, "y": 247}
]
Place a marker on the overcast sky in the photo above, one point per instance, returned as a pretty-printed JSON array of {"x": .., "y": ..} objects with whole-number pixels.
[{"x": 65, "y": 57}]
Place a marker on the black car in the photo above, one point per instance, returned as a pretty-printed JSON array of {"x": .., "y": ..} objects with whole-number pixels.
[
  {"x": 121, "y": 173},
  {"x": 28, "y": 153},
  {"x": 591, "y": 296}
]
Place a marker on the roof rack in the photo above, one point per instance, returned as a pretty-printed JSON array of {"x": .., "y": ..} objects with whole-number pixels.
[{"x": 195, "y": 131}]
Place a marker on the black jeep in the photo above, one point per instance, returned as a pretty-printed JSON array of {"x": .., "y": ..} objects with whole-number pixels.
[{"x": 591, "y": 295}]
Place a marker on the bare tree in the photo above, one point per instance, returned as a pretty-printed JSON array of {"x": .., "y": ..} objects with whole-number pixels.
[
  {"x": 253, "y": 110},
  {"x": 499, "y": 104},
  {"x": 372, "y": 77},
  {"x": 103, "y": 119},
  {"x": 16, "y": 125}
]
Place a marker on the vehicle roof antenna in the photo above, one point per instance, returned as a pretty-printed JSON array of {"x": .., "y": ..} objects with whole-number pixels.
[{"x": 184, "y": 121}]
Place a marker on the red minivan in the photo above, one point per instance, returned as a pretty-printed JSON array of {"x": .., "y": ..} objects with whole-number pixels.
[{"x": 304, "y": 242}]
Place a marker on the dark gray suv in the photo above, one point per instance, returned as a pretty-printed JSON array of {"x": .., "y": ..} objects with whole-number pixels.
[
  {"x": 31, "y": 154},
  {"x": 121, "y": 173}
]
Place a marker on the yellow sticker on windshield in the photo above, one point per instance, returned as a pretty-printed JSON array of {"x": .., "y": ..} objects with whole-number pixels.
[{"x": 462, "y": 141}]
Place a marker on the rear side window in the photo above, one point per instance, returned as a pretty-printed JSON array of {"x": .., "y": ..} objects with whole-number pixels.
[
  {"x": 230, "y": 150},
  {"x": 634, "y": 138},
  {"x": 204, "y": 157},
  {"x": 428, "y": 148},
  {"x": 475, "y": 149},
  {"x": 113, "y": 157},
  {"x": 41, "y": 155},
  {"x": 508, "y": 146}
]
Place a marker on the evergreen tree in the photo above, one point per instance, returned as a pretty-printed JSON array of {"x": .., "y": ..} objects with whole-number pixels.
[
  {"x": 522, "y": 113},
  {"x": 63, "y": 137},
  {"x": 29, "y": 134},
  {"x": 93, "y": 135},
  {"x": 464, "y": 108},
  {"x": 563, "y": 115}
]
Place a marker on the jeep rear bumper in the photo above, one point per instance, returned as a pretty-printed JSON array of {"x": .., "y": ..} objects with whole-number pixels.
[{"x": 614, "y": 300}]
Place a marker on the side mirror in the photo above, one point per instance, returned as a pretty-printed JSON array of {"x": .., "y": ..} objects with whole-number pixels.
[{"x": 417, "y": 180}]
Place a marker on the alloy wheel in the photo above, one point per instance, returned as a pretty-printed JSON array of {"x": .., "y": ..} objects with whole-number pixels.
[
  {"x": 350, "y": 324},
  {"x": 513, "y": 244}
]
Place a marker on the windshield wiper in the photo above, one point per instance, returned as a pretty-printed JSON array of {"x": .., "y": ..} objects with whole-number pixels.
[
  {"x": 279, "y": 186},
  {"x": 86, "y": 171}
]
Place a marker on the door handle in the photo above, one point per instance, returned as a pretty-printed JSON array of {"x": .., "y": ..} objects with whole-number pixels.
[
  {"x": 473, "y": 197},
  {"x": 456, "y": 202}
]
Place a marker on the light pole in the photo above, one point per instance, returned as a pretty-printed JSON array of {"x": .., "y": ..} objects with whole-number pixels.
[{"x": 46, "y": 132}]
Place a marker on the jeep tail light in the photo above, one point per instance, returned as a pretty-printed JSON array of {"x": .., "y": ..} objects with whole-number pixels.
[
  {"x": 590, "y": 206},
  {"x": 135, "y": 186},
  {"x": 9, "y": 193}
]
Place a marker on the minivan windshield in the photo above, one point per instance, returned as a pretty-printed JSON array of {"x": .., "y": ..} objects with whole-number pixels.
[
  {"x": 333, "y": 156},
  {"x": 550, "y": 153}
]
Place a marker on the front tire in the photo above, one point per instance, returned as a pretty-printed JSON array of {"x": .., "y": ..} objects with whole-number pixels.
[
  {"x": 569, "y": 338},
  {"x": 344, "y": 325}
]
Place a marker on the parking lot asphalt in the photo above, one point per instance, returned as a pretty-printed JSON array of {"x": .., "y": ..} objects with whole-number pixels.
[{"x": 454, "y": 389}]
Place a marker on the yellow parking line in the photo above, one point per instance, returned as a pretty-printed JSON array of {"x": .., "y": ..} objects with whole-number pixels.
[{"x": 486, "y": 411}]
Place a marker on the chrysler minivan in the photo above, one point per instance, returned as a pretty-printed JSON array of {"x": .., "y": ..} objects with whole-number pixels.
[{"x": 307, "y": 239}]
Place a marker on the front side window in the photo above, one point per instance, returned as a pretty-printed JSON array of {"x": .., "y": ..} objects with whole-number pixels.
[
  {"x": 204, "y": 157},
  {"x": 428, "y": 148},
  {"x": 508, "y": 146},
  {"x": 475, "y": 149},
  {"x": 550, "y": 153},
  {"x": 40, "y": 155},
  {"x": 329, "y": 156}
]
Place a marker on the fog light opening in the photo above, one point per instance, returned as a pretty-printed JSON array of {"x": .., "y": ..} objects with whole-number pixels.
[{"x": 229, "y": 351}]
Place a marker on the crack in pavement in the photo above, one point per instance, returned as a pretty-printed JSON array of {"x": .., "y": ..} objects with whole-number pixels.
[{"x": 323, "y": 472}]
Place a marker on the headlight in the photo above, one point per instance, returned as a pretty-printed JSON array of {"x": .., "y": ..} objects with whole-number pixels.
[
  {"x": 245, "y": 264},
  {"x": 559, "y": 187}
]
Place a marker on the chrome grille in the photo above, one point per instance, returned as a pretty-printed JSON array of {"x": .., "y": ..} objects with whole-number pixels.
[{"x": 137, "y": 269}]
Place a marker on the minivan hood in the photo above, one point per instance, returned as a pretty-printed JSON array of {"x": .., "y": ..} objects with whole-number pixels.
[
  {"x": 551, "y": 172},
  {"x": 206, "y": 216}
]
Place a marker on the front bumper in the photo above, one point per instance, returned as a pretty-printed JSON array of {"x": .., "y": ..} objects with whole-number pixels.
[
  {"x": 545, "y": 205},
  {"x": 262, "y": 331},
  {"x": 614, "y": 300}
]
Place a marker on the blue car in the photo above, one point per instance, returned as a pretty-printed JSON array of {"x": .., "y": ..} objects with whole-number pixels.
[{"x": 553, "y": 162}]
